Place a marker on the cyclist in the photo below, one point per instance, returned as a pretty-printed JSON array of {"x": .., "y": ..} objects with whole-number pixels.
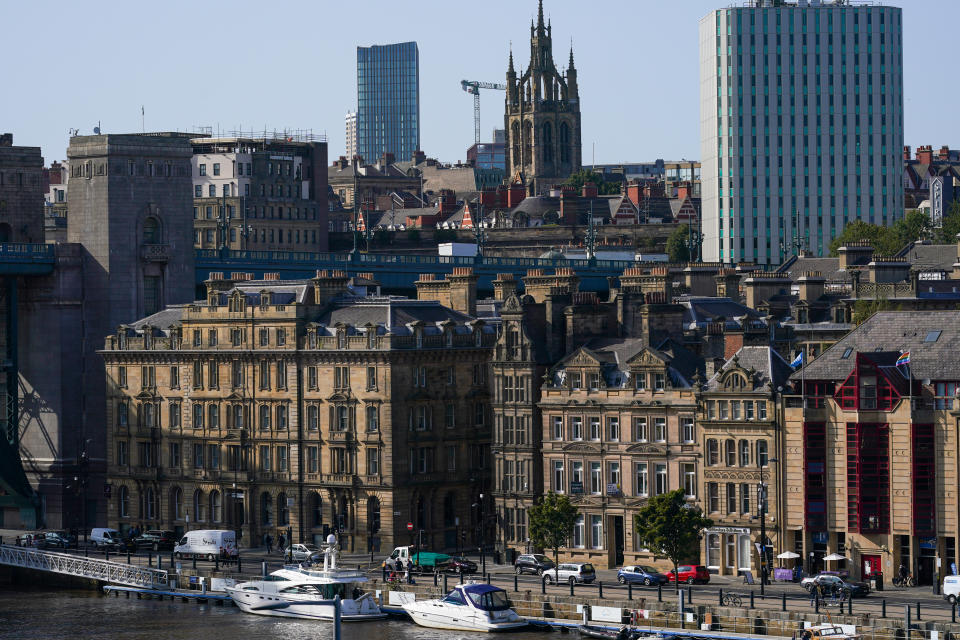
[{"x": 903, "y": 574}]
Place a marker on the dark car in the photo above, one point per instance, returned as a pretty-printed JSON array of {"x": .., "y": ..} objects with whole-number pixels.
[
  {"x": 535, "y": 563},
  {"x": 640, "y": 573},
  {"x": 831, "y": 583},
  {"x": 56, "y": 540},
  {"x": 690, "y": 574},
  {"x": 460, "y": 565},
  {"x": 156, "y": 540}
]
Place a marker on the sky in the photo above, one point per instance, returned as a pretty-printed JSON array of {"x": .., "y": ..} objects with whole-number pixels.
[{"x": 277, "y": 65}]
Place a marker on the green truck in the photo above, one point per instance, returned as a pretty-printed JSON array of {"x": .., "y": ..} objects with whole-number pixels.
[{"x": 423, "y": 561}]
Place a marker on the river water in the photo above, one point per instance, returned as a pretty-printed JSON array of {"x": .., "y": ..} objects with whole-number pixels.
[{"x": 46, "y": 614}]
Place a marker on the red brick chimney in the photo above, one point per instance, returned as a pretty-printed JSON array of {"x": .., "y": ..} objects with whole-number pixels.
[
  {"x": 906, "y": 152},
  {"x": 516, "y": 195},
  {"x": 925, "y": 154},
  {"x": 590, "y": 190},
  {"x": 568, "y": 206},
  {"x": 447, "y": 202},
  {"x": 944, "y": 153}
]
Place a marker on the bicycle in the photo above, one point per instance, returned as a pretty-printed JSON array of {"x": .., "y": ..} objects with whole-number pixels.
[
  {"x": 907, "y": 581},
  {"x": 732, "y": 600}
]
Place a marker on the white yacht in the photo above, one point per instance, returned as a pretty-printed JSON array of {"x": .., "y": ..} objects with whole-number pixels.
[
  {"x": 469, "y": 607},
  {"x": 298, "y": 591}
]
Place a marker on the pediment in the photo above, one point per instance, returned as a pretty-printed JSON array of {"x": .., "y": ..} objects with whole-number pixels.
[
  {"x": 147, "y": 395},
  {"x": 512, "y": 303},
  {"x": 583, "y": 357},
  {"x": 581, "y": 447},
  {"x": 339, "y": 397},
  {"x": 234, "y": 396},
  {"x": 649, "y": 449},
  {"x": 586, "y": 500},
  {"x": 647, "y": 357}
]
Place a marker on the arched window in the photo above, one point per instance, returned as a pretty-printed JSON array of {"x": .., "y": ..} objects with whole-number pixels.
[
  {"x": 373, "y": 514},
  {"x": 744, "y": 453},
  {"x": 264, "y": 417},
  {"x": 176, "y": 503},
  {"x": 216, "y": 507},
  {"x": 730, "y": 453},
  {"x": 266, "y": 508},
  {"x": 283, "y": 511},
  {"x": 151, "y": 231},
  {"x": 527, "y": 142},
  {"x": 762, "y": 456},
  {"x": 124, "y": 499},
  {"x": 546, "y": 142},
  {"x": 316, "y": 510},
  {"x": 199, "y": 506},
  {"x": 564, "y": 134},
  {"x": 515, "y": 140}
]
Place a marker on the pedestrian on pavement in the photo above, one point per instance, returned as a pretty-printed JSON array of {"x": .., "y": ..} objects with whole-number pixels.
[
  {"x": 269, "y": 544},
  {"x": 410, "y": 572},
  {"x": 281, "y": 543}
]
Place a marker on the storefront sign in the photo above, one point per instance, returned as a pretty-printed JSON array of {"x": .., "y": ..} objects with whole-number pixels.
[
  {"x": 738, "y": 530},
  {"x": 928, "y": 543}
]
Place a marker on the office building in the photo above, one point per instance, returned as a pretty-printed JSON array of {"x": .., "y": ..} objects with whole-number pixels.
[
  {"x": 262, "y": 193},
  {"x": 489, "y": 155},
  {"x": 350, "y": 134},
  {"x": 801, "y": 122},
  {"x": 388, "y": 100}
]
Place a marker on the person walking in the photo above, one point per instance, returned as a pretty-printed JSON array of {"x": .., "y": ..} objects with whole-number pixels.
[
  {"x": 281, "y": 543},
  {"x": 269, "y": 544}
]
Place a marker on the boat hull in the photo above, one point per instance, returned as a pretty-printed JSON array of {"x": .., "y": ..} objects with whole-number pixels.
[
  {"x": 252, "y": 602},
  {"x": 440, "y": 620}
]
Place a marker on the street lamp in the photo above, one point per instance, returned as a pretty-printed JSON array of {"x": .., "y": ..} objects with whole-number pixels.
[
  {"x": 762, "y": 508},
  {"x": 483, "y": 557}
]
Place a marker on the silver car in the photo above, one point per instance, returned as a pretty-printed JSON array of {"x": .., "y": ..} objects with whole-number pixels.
[
  {"x": 572, "y": 572},
  {"x": 303, "y": 553}
]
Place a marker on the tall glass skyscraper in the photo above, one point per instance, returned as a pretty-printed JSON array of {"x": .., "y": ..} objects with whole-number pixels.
[
  {"x": 801, "y": 125},
  {"x": 388, "y": 101}
]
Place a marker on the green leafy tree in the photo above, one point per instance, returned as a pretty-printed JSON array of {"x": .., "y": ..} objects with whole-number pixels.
[
  {"x": 677, "y": 244},
  {"x": 915, "y": 225},
  {"x": 950, "y": 227},
  {"x": 582, "y": 177},
  {"x": 551, "y": 521},
  {"x": 670, "y": 526},
  {"x": 864, "y": 308}
]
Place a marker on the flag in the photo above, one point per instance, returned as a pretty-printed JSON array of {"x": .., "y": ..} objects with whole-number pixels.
[
  {"x": 798, "y": 361},
  {"x": 903, "y": 359}
]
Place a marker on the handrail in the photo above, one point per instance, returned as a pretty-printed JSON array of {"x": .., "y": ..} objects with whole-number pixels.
[{"x": 69, "y": 564}]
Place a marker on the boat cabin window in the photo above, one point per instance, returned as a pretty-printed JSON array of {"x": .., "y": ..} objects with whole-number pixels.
[
  {"x": 454, "y": 597},
  {"x": 251, "y": 589},
  {"x": 302, "y": 588},
  {"x": 490, "y": 601}
]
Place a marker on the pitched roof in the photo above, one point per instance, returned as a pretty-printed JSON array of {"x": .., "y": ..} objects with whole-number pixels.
[
  {"x": 394, "y": 314},
  {"x": 932, "y": 355},
  {"x": 930, "y": 257},
  {"x": 764, "y": 360},
  {"x": 795, "y": 267}
]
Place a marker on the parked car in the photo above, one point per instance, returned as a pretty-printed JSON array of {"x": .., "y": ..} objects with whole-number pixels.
[
  {"x": 572, "y": 572},
  {"x": 30, "y": 539},
  {"x": 640, "y": 573},
  {"x": 156, "y": 540},
  {"x": 461, "y": 565},
  {"x": 105, "y": 538},
  {"x": 56, "y": 540},
  {"x": 535, "y": 563},
  {"x": 830, "y": 582},
  {"x": 303, "y": 553},
  {"x": 690, "y": 574}
]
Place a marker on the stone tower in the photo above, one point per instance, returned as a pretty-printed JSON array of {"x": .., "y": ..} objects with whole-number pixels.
[{"x": 542, "y": 116}]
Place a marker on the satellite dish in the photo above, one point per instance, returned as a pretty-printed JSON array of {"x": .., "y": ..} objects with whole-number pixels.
[{"x": 96, "y": 131}]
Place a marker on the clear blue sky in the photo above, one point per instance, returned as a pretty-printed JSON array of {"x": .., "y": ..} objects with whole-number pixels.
[{"x": 284, "y": 64}]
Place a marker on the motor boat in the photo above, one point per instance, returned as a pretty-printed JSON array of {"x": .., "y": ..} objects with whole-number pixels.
[
  {"x": 826, "y": 631},
  {"x": 299, "y": 591},
  {"x": 469, "y": 607},
  {"x": 621, "y": 633}
]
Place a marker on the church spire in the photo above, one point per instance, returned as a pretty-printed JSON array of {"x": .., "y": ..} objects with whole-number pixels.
[
  {"x": 570, "y": 66},
  {"x": 510, "y": 67},
  {"x": 540, "y": 28}
]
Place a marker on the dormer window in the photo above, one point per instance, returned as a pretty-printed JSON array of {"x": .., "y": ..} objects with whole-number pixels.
[
  {"x": 341, "y": 338},
  {"x": 640, "y": 381},
  {"x": 594, "y": 380},
  {"x": 659, "y": 381},
  {"x": 448, "y": 337},
  {"x": 371, "y": 338},
  {"x": 477, "y": 337},
  {"x": 418, "y": 334},
  {"x": 576, "y": 381},
  {"x": 237, "y": 302}
]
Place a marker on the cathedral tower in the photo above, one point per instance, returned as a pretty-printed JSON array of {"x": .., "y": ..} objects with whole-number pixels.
[{"x": 542, "y": 116}]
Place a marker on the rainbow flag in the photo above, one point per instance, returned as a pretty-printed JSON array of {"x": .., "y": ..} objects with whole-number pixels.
[{"x": 903, "y": 359}]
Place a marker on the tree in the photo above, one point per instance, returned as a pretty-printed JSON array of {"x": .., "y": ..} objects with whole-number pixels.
[
  {"x": 670, "y": 526},
  {"x": 580, "y": 178},
  {"x": 864, "y": 308},
  {"x": 551, "y": 521},
  {"x": 677, "y": 245}
]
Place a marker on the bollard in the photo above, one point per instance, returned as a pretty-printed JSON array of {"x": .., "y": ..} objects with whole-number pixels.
[
  {"x": 149, "y": 559},
  {"x": 751, "y": 598},
  {"x": 171, "y": 559},
  {"x": 600, "y": 589},
  {"x": 445, "y": 589},
  {"x": 515, "y": 577},
  {"x": 195, "y": 565},
  {"x": 720, "y": 598},
  {"x": 572, "y": 584},
  {"x": 629, "y": 591},
  {"x": 239, "y": 566},
  {"x": 850, "y": 605},
  {"x": 953, "y": 612},
  {"x": 883, "y": 608},
  {"x": 128, "y": 556},
  {"x": 683, "y": 611},
  {"x": 783, "y": 601},
  {"x": 488, "y": 578},
  {"x": 263, "y": 568},
  {"x": 918, "y": 611},
  {"x": 689, "y": 594},
  {"x": 543, "y": 585},
  {"x": 336, "y": 617},
  {"x": 216, "y": 563},
  {"x": 106, "y": 554},
  {"x": 816, "y": 603},
  {"x": 659, "y": 592},
  {"x": 86, "y": 552},
  {"x": 906, "y": 618},
  {"x": 434, "y": 578}
]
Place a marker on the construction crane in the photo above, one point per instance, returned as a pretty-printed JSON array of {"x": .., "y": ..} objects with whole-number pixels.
[{"x": 473, "y": 87}]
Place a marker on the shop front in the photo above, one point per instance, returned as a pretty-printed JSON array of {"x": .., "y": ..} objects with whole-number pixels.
[{"x": 728, "y": 550}]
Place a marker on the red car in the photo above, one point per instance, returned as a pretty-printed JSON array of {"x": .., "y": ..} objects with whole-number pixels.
[{"x": 691, "y": 574}]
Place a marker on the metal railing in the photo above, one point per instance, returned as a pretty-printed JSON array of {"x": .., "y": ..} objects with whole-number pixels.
[{"x": 79, "y": 566}]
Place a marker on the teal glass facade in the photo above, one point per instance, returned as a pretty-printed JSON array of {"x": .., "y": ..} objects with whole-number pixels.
[{"x": 388, "y": 101}]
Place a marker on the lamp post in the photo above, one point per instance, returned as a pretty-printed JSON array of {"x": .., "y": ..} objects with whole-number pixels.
[
  {"x": 762, "y": 507},
  {"x": 483, "y": 557}
]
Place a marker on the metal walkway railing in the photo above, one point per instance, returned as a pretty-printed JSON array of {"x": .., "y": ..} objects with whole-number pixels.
[{"x": 71, "y": 565}]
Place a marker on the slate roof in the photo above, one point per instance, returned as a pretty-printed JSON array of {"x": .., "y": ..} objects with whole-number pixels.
[
  {"x": 930, "y": 257},
  {"x": 893, "y": 332},
  {"x": 762, "y": 359},
  {"x": 160, "y": 320},
  {"x": 701, "y": 310},
  {"x": 613, "y": 354},
  {"x": 829, "y": 267},
  {"x": 393, "y": 315}
]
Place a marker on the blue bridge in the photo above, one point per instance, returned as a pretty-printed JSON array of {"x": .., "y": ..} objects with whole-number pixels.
[{"x": 397, "y": 272}]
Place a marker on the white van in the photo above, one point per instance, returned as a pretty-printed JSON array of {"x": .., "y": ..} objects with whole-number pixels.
[
  {"x": 103, "y": 537},
  {"x": 951, "y": 588},
  {"x": 207, "y": 543}
]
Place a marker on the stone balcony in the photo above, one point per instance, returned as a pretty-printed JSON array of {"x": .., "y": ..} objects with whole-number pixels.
[{"x": 155, "y": 252}]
